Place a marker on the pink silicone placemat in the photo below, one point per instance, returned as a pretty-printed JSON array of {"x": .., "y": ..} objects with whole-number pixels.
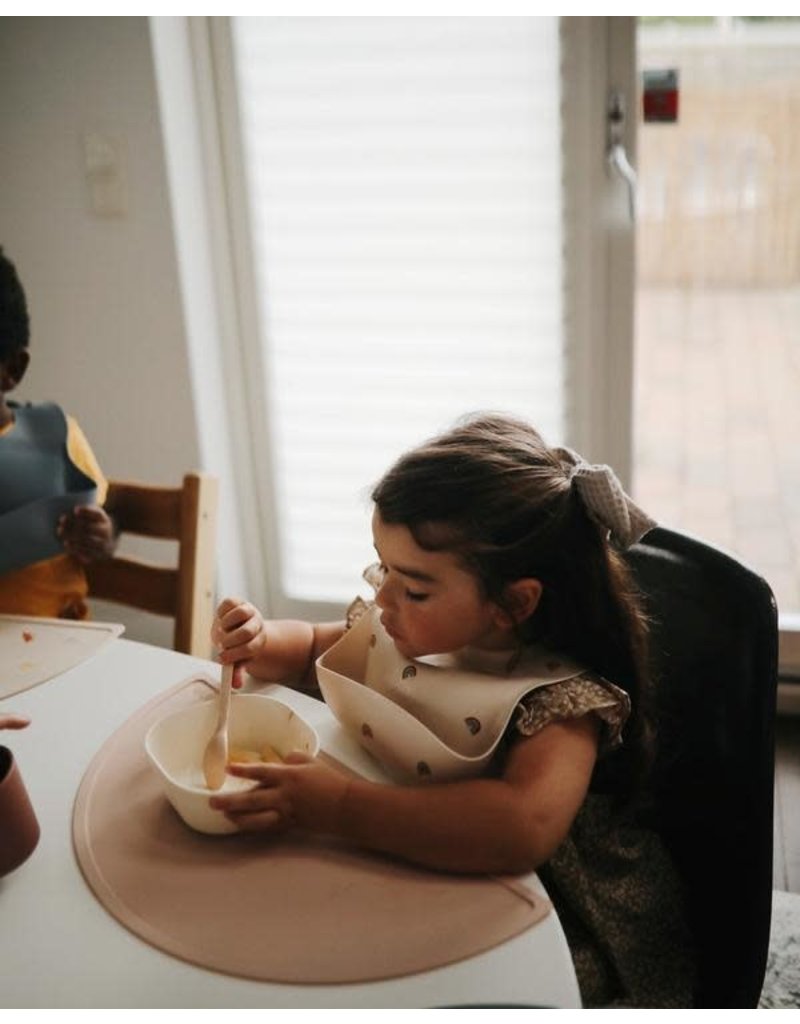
[{"x": 294, "y": 909}]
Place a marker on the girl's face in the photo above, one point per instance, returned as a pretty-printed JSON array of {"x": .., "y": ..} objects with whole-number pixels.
[{"x": 431, "y": 604}]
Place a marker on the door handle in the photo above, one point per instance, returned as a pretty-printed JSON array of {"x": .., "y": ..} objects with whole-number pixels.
[{"x": 615, "y": 154}]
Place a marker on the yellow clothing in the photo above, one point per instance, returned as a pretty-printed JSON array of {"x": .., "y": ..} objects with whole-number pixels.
[{"x": 56, "y": 587}]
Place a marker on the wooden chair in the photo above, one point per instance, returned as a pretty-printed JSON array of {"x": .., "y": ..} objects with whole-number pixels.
[{"x": 185, "y": 592}]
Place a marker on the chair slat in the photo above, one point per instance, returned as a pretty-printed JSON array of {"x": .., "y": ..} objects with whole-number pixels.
[
  {"x": 152, "y": 588},
  {"x": 145, "y": 510},
  {"x": 196, "y": 565}
]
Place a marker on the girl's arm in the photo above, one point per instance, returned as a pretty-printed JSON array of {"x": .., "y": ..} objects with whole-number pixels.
[
  {"x": 280, "y": 651},
  {"x": 507, "y": 825}
]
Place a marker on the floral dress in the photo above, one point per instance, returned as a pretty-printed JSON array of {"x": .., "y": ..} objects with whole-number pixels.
[
  {"x": 614, "y": 887},
  {"x": 616, "y": 892}
]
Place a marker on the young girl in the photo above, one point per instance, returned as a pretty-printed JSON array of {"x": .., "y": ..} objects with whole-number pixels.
[
  {"x": 52, "y": 524},
  {"x": 498, "y": 566}
]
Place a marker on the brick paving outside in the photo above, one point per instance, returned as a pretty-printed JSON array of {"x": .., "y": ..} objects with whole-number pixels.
[{"x": 718, "y": 422}]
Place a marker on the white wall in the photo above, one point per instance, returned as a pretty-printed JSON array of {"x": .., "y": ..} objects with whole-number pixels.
[{"x": 108, "y": 339}]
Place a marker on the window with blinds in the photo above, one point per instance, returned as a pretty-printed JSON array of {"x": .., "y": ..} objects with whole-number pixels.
[{"x": 404, "y": 179}]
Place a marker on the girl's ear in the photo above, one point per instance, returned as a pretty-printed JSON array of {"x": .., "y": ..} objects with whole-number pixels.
[{"x": 520, "y": 600}]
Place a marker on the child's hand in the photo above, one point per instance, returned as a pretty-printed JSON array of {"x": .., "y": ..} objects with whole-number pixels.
[
  {"x": 240, "y": 633},
  {"x": 87, "y": 533},
  {"x": 8, "y": 721},
  {"x": 302, "y": 792},
  {"x": 274, "y": 651}
]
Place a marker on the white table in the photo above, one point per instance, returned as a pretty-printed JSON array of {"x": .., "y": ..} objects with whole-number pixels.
[{"x": 60, "y": 948}]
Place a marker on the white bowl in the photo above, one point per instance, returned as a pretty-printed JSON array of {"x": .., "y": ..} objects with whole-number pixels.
[{"x": 175, "y": 746}]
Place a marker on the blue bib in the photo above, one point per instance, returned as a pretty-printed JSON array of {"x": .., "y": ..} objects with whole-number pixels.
[{"x": 38, "y": 484}]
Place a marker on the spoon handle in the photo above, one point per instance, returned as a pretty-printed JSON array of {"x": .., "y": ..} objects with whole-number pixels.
[
  {"x": 225, "y": 695},
  {"x": 216, "y": 752}
]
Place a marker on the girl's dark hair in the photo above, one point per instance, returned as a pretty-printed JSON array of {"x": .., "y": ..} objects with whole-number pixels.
[{"x": 491, "y": 491}]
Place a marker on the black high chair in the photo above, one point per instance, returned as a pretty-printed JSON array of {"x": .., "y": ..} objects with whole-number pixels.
[{"x": 714, "y": 638}]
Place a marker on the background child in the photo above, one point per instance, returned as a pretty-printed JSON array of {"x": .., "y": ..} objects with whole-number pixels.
[
  {"x": 492, "y": 547},
  {"x": 42, "y": 454}
]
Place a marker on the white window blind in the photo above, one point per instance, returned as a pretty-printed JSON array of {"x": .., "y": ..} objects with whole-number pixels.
[{"x": 404, "y": 181}]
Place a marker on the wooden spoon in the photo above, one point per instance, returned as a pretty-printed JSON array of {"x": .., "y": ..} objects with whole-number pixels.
[{"x": 216, "y": 753}]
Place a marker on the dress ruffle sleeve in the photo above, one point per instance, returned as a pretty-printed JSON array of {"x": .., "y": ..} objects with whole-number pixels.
[{"x": 573, "y": 698}]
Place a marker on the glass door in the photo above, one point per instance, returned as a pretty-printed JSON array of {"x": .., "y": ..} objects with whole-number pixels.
[{"x": 717, "y": 339}]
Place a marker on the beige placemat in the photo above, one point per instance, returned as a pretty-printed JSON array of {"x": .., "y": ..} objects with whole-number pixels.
[
  {"x": 295, "y": 909},
  {"x": 34, "y": 650}
]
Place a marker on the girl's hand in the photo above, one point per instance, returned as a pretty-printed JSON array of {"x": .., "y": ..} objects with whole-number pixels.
[
  {"x": 303, "y": 792},
  {"x": 274, "y": 651},
  {"x": 239, "y": 631},
  {"x": 87, "y": 533}
]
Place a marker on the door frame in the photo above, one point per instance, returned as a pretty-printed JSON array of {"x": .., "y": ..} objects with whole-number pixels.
[{"x": 598, "y": 55}]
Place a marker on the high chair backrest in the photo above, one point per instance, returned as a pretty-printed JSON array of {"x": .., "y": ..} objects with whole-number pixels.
[
  {"x": 187, "y": 514},
  {"x": 714, "y": 634}
]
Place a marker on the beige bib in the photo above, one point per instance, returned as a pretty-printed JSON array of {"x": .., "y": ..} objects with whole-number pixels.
[{"x": 435, "y": 718}]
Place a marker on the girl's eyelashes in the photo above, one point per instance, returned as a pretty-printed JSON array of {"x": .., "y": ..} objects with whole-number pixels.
[{"x": 381, "y": 571}]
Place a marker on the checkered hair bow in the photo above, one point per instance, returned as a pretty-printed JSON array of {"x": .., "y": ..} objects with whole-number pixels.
[{"x": 605, "y": 500}]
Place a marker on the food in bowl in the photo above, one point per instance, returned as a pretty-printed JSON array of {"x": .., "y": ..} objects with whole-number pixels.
[
  {"x": 266, "y": 755},
  {"x": 257, "y": 724}
]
